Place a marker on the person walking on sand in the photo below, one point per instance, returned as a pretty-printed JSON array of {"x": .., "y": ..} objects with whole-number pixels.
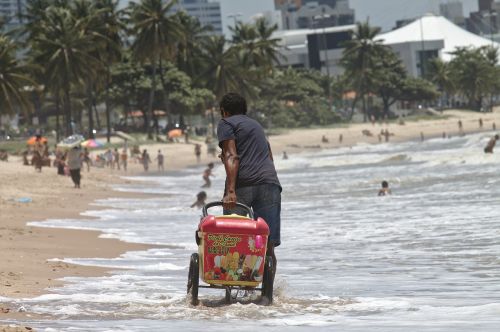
[
  {"x": 160, "y": 158},
  {"x": 480, "y": 123},
  {"x": 124, "y": 159},
  {"x": 145, "y": 159},
  {"x": 201, "y": 197},
  {"x": 385, "y": 189},
  {"x": 207, "y": 174},
  {"x": 251, "y": 177},
  {"x": 460, "y": 127},
  {"x": 341, "y": 138},
  {"x": 74, "y": 164},
  {"x": 197, "y": 152},
  {"x": 491, "y": 144},
  {"x": 116, "y": 158},
  {"x": 86, "y": 158}
]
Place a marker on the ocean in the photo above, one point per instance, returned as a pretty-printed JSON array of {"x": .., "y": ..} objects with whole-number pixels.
[{"x": 425, "y": 258}]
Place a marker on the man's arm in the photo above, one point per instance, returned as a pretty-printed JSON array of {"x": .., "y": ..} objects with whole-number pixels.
[
  {"x": 270, "y": 151},
  {"x": 231, "y": 162}
]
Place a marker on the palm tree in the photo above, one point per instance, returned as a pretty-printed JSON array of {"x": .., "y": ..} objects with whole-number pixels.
[
  {"x": 223, "y": 68},
  {"x": 64, "y": 49},
  {"x": 189, "y": 48},
  {"x": 439, "y": 73},
  {"x": 155, "y": 33},
  {"x": 13, "y": 80},
  {"x": 359, "y": 60},
  {"x": 110, "y": 28}
]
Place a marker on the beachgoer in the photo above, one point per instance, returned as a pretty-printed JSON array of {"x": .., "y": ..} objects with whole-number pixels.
[
  {"x": 385, "y": 189},
  {"x": 494, "y": 126},
  {"x": 444, "y": 134},
  {"x": 341, "y": 138},
  {"x": 491, "y": 144},
  {"x": 74, "y": 164},
  {"x": 480, "y": 123},
  {"x": 145, "y": 159},
  {"x": 285, "y": 155},
  {"x": 86, "y": 158},
  {"x": 123, "y": 158},
  {"x": 197, "y": 152},
  {"x": 200, "y": 200},
  {"x": 460, "y": 127},
  {"x": 108, "y": 156},
  {"x": 211, "y": 146},
  {"x": 116, "y": 158},
  {"x": 251, "y": 177},
  {"x": 324, "y": 139},
  {"x": 386, "y": 135},
  {"x": 207, "y": 174},
  {"x": 160, "y": 158},
  {"x": 422, "y": 136}
]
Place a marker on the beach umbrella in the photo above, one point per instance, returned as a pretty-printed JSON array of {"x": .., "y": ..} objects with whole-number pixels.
[
  {"x": 71, "y": 141},
  {"x": 174, "y": 133},
  {"x": 33, "y": 140},
  {"x": 92, "y": 143}
]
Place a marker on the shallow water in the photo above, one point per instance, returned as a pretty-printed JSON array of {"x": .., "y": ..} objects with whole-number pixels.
[{"x": 424, "y": 259}]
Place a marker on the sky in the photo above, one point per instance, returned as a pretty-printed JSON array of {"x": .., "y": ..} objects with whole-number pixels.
[{"x": 383, "y": 13}]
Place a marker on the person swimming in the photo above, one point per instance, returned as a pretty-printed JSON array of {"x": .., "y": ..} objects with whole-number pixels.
[
  {"x": 385, "y": 189},
  {"x": 201, "y": 197}
]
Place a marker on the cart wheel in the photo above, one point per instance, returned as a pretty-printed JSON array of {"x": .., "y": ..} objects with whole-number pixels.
[
  {"x": 194, "y": 279},
  {"x": 267, "y": 282},
  {"x": 228, "y": 295}
]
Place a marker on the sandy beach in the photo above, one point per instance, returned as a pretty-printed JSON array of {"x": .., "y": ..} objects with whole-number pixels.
[{"x": 26, "y": 251}]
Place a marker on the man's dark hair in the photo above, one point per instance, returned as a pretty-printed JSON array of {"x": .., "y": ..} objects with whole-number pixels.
[
  {"x": 385, "y": 184},
  {"x": 233, "y": 103}
]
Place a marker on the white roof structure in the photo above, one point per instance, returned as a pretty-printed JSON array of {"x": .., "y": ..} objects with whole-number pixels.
[{"x": 434, "y": 28}]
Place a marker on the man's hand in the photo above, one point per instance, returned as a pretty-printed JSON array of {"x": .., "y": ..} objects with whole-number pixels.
[{"x": 229, "y": 201}]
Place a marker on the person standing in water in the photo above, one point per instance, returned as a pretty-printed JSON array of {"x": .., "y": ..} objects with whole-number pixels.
[
  {"x": 161, "y": 159},
  {"x": 491, "y": 144},
  {"x": 385, "y": 189},
  {"x": 207, "y": 174},
  {"x": 251, "y": 177}
]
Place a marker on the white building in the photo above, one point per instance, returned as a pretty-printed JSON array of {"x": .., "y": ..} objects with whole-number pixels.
[
  {"x": 454, "y": 11},
  {"x": 272, "y": 17},
  {"x": 429, "y": 37},
  {"x": 208, "y": 13},
  {"x": 319, "y": 49}
]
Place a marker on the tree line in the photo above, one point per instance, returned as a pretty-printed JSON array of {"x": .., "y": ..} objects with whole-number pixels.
[{"x": 70, "y": 56}]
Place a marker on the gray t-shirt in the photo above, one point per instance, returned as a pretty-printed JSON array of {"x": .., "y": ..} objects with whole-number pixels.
[{"x": 256, "y": 166}]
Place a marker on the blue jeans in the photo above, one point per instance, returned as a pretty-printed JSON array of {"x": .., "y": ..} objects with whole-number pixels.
[{"x": 265, "y": 201}]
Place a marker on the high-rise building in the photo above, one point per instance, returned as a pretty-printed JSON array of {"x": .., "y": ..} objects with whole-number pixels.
[
  {"x": 485, "y": 5},
  {"x": 486, "y": 21},
  {"x": 453, "y": 11},
  {"x": 304, "y": 14},
  {"x": 208, "y": 13},
  {"x": 10, "y": 12}
]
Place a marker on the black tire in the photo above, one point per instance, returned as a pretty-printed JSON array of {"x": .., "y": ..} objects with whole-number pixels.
[
  {"x": 267, "y": 280},
  {"x": 194, "y": 278}
]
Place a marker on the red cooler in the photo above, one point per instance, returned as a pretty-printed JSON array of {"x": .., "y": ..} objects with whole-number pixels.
[{"x": 232, "y": 248}]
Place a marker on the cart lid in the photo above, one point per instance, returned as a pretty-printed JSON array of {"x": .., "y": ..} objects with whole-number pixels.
[{"x": 233, "y": 224}]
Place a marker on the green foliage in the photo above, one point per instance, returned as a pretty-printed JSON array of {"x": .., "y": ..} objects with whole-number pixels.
[
  {"x": 418, "y": 89},
  {"x": 13, "y": 80},
  {"x": 475, "y": 74}
]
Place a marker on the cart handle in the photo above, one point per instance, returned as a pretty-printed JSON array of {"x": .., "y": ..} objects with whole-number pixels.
[{"x": 219, "y": 203}]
